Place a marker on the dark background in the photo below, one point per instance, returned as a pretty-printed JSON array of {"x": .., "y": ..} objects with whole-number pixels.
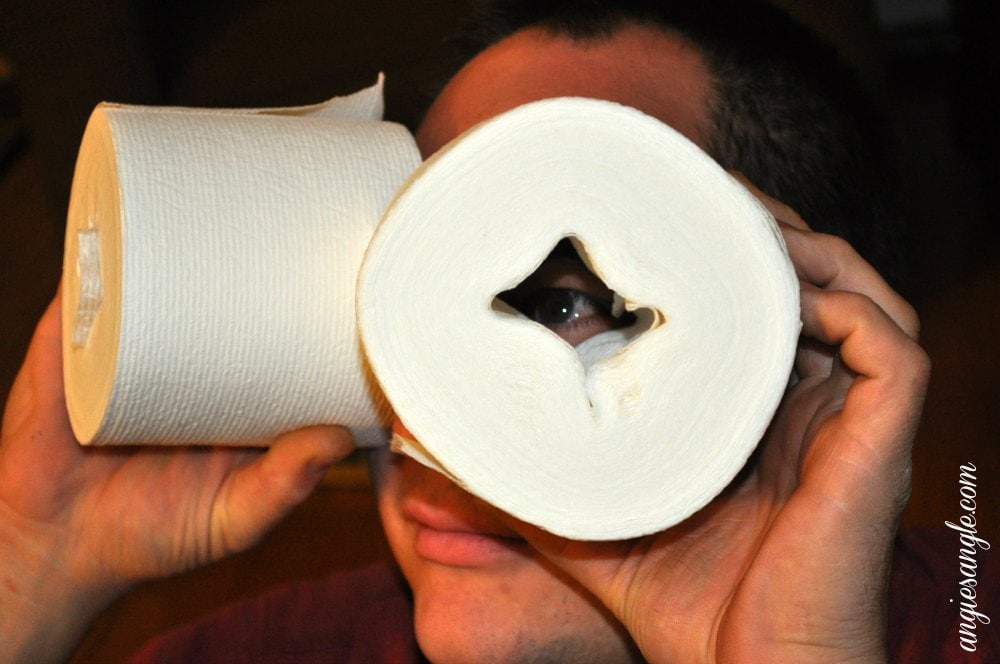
[{"x": 932, "y": 64}]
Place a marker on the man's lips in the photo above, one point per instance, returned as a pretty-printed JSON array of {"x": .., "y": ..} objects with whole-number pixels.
[
  {"x": 453, "y": 518},
  {"x": 451, "y": 527},
  {"x": 460, "y": 539}
]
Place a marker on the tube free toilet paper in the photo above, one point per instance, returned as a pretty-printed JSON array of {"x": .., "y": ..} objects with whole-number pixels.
[
  {"x": 210, "y": 267},
  {"x": 214, "y": 293},
  {"x": 635, "y": 429}
]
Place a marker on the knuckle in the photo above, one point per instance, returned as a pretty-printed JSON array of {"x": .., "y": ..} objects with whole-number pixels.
[
  {"x": 920, "y": 363},
  {"x": 909, "y": 320},
  {"x": 857, "y": 305},
  {"x": 834, "y": 244},
  {"x": 913, "y": 366}
]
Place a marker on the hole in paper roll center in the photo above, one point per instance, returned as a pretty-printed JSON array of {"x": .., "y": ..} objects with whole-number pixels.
[
  {"x": 88, "y": 268},
  {"x": 564, "y": 296}
]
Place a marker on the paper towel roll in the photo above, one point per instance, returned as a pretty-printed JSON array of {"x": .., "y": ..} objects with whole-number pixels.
[
  {"x": 210, "y": 268},
  {"x": 628, "y": 440}
]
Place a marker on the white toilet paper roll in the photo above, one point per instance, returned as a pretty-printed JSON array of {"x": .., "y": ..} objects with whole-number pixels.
[
  {"x": 621, "y": 442},
  {"x": 210, "y": 268}
]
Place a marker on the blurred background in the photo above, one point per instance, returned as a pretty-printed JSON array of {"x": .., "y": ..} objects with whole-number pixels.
[{"x": 933, "y": 64}]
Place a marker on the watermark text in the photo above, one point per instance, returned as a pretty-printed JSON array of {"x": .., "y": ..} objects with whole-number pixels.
[{"x": 970, "y": 546}]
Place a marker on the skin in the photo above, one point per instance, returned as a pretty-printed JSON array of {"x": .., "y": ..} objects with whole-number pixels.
[
  {"x": 788, "y": 564},
  {"x": 506, "y": 607}
]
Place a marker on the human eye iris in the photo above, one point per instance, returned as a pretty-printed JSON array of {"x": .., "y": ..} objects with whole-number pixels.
[
  {"x": 562, "y": 308},
  {"x": 565, "y": 297}
]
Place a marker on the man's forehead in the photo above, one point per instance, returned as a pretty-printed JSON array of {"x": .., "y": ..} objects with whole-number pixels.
[{"x": 640, "y": 66}]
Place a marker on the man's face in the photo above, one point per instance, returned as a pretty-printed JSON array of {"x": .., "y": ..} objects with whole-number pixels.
[{"x": 481, "y": 592}]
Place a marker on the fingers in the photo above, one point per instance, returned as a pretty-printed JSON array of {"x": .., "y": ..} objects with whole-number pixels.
[
  {"x": 858, "y": 336},
  {"x": 885, "y": 373},
  {"x": 870, "y": 342},
  {"x": 830, "y": 262},
  {"x": 37, "y": 388},
  {"x": 37, "y": 447},
  {"x": 258, "y": 495}
]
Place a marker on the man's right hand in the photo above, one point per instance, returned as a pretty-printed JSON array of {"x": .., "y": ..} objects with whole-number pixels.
[{"x": 79, "y": 526}]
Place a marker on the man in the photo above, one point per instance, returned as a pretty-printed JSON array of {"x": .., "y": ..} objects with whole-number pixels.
[{"x": 790, "y": 563}]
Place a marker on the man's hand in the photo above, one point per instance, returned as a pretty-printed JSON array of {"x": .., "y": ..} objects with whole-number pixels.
[
  {"x": 791, "y": 562},
  {"x": 79, "y": 526}
]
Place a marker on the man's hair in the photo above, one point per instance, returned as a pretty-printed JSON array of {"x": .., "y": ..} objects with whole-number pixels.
[{"x": 785, "y": 111}]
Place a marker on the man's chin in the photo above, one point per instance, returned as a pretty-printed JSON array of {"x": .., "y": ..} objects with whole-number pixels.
[{"x": 457, "y": 627}]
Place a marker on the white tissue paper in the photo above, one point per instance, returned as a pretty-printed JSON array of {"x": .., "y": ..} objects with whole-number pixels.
[
  {"x": 214, "y": 291},
  {"x": 210, "y": 267},
  {"x": 636, "y": 429}
]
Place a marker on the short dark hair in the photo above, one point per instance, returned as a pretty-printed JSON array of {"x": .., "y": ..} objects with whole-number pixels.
[{"x": 785, "y": 111}]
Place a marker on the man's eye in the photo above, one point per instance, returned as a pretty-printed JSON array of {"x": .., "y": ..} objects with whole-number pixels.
[
  {"x": 555, "y": 307},
  {"x": 572, "y": 314},
  {"x": 564, "y": 296}
]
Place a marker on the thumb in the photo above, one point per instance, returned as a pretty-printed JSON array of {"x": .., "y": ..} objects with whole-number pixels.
[{"x": 257, "y": 496}]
